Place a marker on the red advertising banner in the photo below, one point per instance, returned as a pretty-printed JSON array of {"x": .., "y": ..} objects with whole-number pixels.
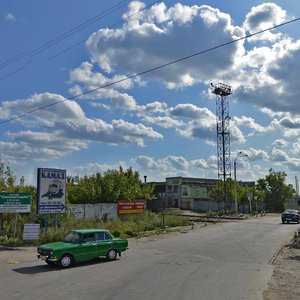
[{"x": 131, "y": 208}]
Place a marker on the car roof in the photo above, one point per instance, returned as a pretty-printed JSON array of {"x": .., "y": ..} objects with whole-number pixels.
[{"x": 83, "y": 231}]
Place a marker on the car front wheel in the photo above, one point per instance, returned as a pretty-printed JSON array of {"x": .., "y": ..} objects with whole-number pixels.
[
  {"x": 49, "y": 262},
  {"x": 111, "y": 254},
  {"x": 66, "y": 261}
]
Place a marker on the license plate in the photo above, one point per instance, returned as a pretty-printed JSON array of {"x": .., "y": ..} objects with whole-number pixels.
[
  {"x": 43, "y": 257},
  {"x": 288, "y": 219}
]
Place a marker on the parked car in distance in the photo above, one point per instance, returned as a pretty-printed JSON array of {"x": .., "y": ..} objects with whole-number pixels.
[
  {"x": 290, "y": 215},
  {"x": 82, "y": 245}
]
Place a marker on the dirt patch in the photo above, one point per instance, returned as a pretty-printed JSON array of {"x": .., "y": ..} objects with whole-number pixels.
[
  {"x": 17, "y": 255},
  {"x": 285, "y": 281}
]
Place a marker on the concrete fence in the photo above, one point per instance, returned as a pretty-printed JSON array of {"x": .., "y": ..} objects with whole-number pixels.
[{"x": 100, "y": 211}]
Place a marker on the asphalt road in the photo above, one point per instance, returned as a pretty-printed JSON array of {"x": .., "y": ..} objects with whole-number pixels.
[{"x": 221, "y": 261}]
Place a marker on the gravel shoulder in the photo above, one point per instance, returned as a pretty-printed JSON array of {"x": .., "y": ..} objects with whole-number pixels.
[{"x": 285, "y": 281}]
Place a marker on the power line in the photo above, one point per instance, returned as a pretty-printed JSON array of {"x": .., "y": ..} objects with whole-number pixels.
[
  {"x": 12, "y": 60},
  {"x": 79, "y": 27},
  {"x": 110, "y": 26},
  {"x": 150, "y": 70},
  {"x": 66, "y": 34}
]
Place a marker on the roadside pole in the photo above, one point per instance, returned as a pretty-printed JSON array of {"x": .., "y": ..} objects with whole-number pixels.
[
  {"x": 15, "y": 226},
  {"x": 46, "y": 226}
]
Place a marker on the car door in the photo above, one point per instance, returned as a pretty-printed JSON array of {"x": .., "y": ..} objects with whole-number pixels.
[
  {"x": 88, "y": 247},
  {"x": 103, "y": 243}
]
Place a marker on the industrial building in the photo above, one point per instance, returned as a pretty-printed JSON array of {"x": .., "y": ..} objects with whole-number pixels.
[{"x": 185, "y": 193}]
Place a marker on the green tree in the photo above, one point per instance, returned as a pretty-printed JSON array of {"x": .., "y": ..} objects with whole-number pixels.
[
  {"x": 217, "y": 192},
  {"x": 276, "y": 192},
  {"x": 8, "y": 184},
  {"x": 110, "y": 187}
]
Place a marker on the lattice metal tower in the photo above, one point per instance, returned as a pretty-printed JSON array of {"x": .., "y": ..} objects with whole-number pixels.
[{"x": 222, "y": 91}]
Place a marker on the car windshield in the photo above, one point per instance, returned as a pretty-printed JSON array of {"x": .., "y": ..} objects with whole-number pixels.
[
  {"x": 72, "y": 237},
  {"x": 290, "y": 212}
]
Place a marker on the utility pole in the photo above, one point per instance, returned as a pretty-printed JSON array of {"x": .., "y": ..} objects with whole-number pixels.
[{"x": 222, "y": 91}]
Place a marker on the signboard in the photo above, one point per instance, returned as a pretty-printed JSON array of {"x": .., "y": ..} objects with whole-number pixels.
[
  {"x": 174, "y": 181},
  {"x": 15, "y": 202},
  {"x": 31, "y": 232},
  {"x": 194, "y": 192},
  {"x": 131, "y": 208},
  {"x": 51, "y": 191}
]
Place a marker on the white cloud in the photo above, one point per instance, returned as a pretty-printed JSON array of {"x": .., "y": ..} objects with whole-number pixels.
[
  {"x": 93, "y": 168},
  {"x": 294, "y": 164},
  {"x": 23, "y": 151},
  {"x": 256, "y": 154},
  {"x": 296, "y": 148},
  {"x": 10, "y": 17},
  {"x": 262, "y": 17},
  {"x": 279, "y": 155},
  {"x": 279, "y": 143},
  {"x": 248, "y": 122},
  {"x": 170, "y": 166},
  {"x": 200, "y": 163},
  {"x": 272, "y": 86},
  {"x": 161, "y": 35},
  {"x": 155, "y": 107},
  {"x": 148, "y": 163},
  {"x": 164, "y": 122},
  {"x": 66, "y": 128},
  {"x": 178, "y": 163},
  {"x": 85, "y": 80},
  {"x": 193, "y": 112}
]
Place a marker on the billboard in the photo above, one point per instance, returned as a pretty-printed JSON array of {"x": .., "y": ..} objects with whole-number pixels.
[
  {"x": 131, "y": 208},
  {"x": 51, "y": 191},
  {"x": 15, "y": 202},
  {"x": 194, "y": 192}
]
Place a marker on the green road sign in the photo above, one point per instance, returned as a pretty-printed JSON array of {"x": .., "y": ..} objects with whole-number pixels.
[{"x": 15, "y": 202}]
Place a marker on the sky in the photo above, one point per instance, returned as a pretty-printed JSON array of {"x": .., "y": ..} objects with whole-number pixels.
[{"x": 83, "y": 87}]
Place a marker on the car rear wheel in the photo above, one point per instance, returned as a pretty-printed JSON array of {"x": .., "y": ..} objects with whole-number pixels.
[
  {"x": 66, "y": 261},
  {"x": 111, "y": 254}
]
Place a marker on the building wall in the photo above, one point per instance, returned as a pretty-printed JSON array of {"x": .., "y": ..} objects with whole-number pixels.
[{"x": 185, "y": 193}]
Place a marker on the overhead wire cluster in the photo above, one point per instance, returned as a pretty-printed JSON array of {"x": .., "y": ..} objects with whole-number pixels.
[
  {"x": 150, "y": 70},
  {"x": 65, "y": 35},
  {"x": 31, "y": 54},
  {"x": 97, "y": 18}
]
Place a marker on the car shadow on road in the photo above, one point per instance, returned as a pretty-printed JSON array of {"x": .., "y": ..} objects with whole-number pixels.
[{"x": 50, "y": 268}]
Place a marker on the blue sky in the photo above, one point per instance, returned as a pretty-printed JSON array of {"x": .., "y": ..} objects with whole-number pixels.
[{"x": 161, "y": 123}]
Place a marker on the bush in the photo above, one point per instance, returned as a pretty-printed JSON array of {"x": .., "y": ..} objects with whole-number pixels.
[
  {"x": 127, "y": 226},
  {"x": 10, "y": 242}
]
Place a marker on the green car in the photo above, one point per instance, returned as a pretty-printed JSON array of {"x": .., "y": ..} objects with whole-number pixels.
[{"x": 82, "y": 245}]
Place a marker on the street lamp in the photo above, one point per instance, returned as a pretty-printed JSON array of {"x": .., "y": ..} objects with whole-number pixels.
[{"x": 239, "y": 155}]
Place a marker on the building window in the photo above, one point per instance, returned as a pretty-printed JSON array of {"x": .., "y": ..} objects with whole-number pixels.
[
  {"x": 175, "y": 189},
  {"x": 169, "y": 189}
]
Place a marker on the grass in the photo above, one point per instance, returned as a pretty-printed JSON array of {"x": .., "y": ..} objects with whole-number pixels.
[{"x": 124, "y": 227}]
